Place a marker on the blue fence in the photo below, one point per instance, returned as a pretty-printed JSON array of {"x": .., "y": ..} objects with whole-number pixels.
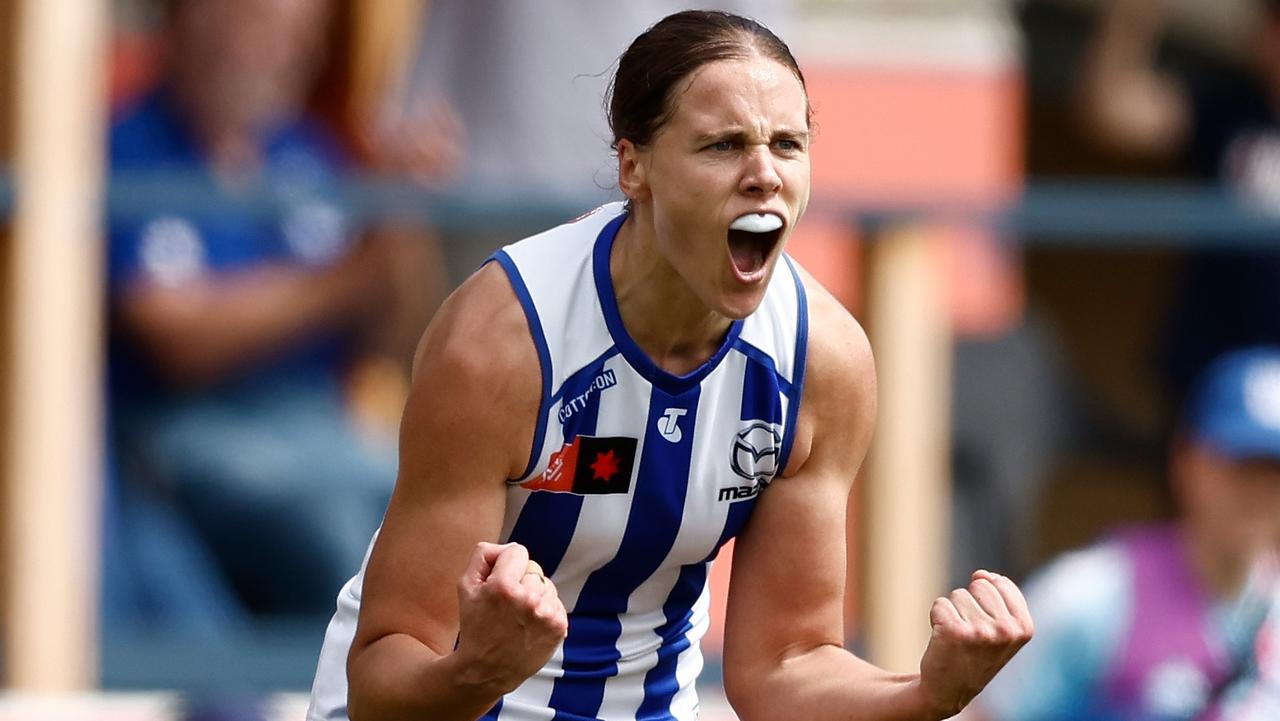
[{"x": 1085, "y": 213}]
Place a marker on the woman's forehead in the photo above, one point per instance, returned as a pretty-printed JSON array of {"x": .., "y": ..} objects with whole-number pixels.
[{"x": 741, "y": 88}]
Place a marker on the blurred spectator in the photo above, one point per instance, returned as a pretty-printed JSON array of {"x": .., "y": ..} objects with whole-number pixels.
[
  {"x": 1226, "y": 128},
  {"x": 232, "y": 331},
  {"x": 1162, "y": 622}
]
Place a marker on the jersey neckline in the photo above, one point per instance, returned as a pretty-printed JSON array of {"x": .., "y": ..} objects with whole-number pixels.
[{"x": 630, "y": 350}]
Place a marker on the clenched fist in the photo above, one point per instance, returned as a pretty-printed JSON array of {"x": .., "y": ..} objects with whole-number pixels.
[
  {"x": 976, "y": 630},
  {"x": 510, "y": 616}
]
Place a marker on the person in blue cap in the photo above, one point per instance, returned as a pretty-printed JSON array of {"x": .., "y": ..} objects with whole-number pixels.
[{"x": 1175, "y": 620}]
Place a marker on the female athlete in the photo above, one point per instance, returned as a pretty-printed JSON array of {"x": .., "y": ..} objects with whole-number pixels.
[{"x": 601, "y": 407}]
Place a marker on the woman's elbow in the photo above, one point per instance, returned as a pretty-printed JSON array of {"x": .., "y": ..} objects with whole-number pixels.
[{"x": 743, "y": 684}]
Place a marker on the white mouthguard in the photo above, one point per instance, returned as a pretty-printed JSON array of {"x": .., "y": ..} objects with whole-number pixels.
[{"x": 757, "y": 223}]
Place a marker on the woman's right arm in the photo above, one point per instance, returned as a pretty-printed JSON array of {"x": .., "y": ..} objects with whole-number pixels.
[{"x": 450, "y": 621}]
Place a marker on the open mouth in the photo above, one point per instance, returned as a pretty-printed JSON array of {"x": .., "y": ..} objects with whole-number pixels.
[{"x": 752, "y": 238}]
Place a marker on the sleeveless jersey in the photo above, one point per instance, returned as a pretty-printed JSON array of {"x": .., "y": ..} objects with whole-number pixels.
[{"x": 635, "y": 480}]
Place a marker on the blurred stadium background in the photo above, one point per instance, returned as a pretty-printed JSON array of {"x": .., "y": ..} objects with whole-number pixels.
[{"x": 955, "y": 195}]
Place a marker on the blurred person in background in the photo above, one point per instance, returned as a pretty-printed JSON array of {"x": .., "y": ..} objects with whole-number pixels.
[
  {"x": 232, "y": 332},
  {"x": 1226, "y": 129},
  {"x": 1165, "y": 622}
]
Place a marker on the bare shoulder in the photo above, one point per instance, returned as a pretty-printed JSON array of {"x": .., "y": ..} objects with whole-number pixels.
[
  {"x": 839, "y": 353},
  {"x": 476, "y": 370},
  {"x": 467, "y": 428},
  {"x": 839, "y": 402},
  {"x": 482, "y": 319}
]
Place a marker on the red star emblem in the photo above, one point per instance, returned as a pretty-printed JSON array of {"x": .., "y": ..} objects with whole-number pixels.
[{"x": 605, "y": 467}]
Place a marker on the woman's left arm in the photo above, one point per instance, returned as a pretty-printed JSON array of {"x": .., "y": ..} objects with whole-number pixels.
[{"x": 784, "y": 655}]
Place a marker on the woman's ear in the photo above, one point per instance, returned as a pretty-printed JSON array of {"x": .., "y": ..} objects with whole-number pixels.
[{"x": 633, "y": 166}]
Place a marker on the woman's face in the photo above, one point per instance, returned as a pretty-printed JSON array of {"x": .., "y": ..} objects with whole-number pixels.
[{"x": 736, "y": 145}]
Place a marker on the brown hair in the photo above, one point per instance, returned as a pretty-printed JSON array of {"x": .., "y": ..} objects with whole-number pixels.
[{"x": 640, "y": 94}]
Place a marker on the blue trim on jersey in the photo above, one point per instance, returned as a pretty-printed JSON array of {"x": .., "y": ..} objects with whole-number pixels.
[
  {"x": 595, "y": 366},
  {"x": 650, "y": 371},
  {"x": 745, "y": 348},
  {"x": 657, "y": 510},
  {"x": 660, "y": 683},
  {"x": 584, "y": 421},
  {"x": 546, "y": 525},
  {"x": 548, "y": 520},
  {"x": 492, "y": 715},
  {"x": 760, "y": 393},
  {"x": 797, "y": 384},
  {"x": 544, "y": 354}
]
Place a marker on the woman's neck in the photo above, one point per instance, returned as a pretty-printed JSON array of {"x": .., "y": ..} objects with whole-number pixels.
[{"x": 659, "y": 310}]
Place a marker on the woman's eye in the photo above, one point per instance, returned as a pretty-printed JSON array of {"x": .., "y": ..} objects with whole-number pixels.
[
  {"x": 722, "y": 146},
  {"x": 787, "y": 145}
]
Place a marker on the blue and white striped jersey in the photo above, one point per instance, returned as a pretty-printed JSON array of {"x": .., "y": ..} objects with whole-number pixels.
[{"x": 636, "y": 478}]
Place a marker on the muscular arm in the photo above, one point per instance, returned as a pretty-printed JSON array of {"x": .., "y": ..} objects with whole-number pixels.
[
  {"x": 1126, "y": 102},
  {"x": 784, "y": 626},
  {"x": 467, "y": 427}
]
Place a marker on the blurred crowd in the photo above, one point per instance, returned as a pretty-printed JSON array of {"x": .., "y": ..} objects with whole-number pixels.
[{"x": 257, "y": 359}]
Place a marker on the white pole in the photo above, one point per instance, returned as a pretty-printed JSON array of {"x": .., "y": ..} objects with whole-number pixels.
[
  {"x": 908, "y": 496},
  {"x": 52, "y": 459}
]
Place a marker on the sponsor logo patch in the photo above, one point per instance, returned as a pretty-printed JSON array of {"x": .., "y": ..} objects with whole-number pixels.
[
  {"x": 589, "y": 465},
  {"x": 669, "y": 424},
  {"x": 753, "y": 456}
]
